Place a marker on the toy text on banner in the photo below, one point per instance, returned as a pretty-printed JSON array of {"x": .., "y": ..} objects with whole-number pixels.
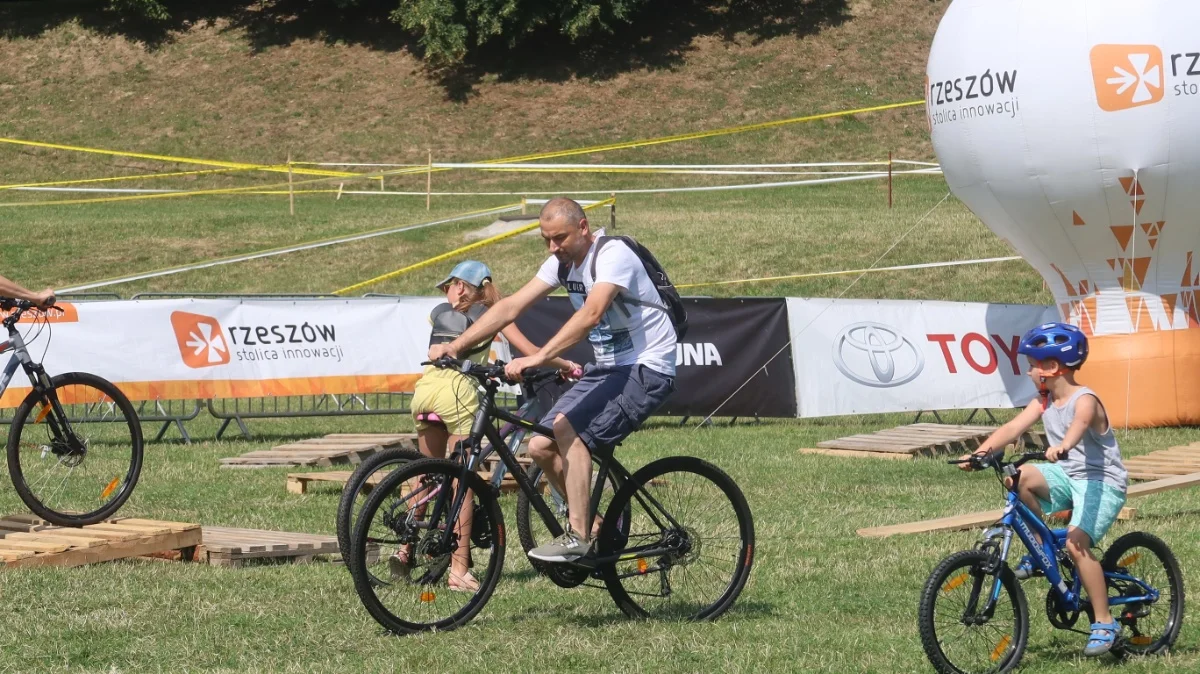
[
  {"x": 1072, "y": 129},
  {"x": 875, "y": 356}
]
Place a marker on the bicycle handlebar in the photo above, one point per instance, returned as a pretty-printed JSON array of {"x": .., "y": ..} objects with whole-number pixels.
[
  {"x": 996, "y": 460},
  {"x": 20, "y": 306},
  {"x": 493, "y": 371}
]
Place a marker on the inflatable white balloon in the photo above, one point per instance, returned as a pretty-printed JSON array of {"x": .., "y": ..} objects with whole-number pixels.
[{"x": 1072, "y": 129}]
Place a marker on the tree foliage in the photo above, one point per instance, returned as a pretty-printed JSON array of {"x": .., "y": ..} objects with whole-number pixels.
[
  {"x": 447, "y": 30},
  {"x": 145, "y": 9}
]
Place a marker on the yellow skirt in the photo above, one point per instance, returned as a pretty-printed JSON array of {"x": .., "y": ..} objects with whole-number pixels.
[{"x": 450, "y": 395}]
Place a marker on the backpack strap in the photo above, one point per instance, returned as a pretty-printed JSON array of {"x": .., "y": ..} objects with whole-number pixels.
[
  {"x": 624, "y": 297},
  {"x": 564, "y": 270}
]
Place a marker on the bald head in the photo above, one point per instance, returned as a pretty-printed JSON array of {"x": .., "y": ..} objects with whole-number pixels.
[
  {"x": 562, "y": 207},
  {"x": 565, "y": 229}
]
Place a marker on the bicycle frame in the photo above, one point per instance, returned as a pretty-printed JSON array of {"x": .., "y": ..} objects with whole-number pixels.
[
  {"x": 484, "y": 428},
  {"x": 19, "y": 358},
  {"x": 1029, "y": 528}
]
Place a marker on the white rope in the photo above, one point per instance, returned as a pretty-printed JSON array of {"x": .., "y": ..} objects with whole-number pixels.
[
  {"x": 822, "y": 312},
  {"x": 283, "y": 251}
]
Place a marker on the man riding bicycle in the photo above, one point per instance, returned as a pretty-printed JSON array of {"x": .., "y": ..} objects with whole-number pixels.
[
  {"x": 617, "y": 307},
  {"x": 16, "y": 291}
]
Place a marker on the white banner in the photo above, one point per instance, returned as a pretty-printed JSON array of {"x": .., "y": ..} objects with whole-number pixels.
[
  {"x": 229, "y": 348},
  {"x": 873, "y": 356}
]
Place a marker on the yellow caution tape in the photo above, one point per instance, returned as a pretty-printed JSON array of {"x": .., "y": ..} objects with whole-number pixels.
[
  {"x": 678, "y": 137},
  {"x": 178, "y": 160},
  {"x": 84, "y": 181},
  {"x": 380, "y": 174},
  {"x": 454, "y": 253}
]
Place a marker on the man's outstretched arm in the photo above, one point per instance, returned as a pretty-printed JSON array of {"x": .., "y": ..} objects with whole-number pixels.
[
  {"x": 576, "y": 328},
  {"x": 494, "y": 319},
  {"x": 17, "y": 291}
]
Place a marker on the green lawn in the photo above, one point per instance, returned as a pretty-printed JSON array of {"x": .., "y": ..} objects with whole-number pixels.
[{"x": 820, "y": 598}]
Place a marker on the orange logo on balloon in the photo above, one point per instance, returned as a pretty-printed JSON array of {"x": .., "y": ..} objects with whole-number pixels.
[{"x": 1127, "y": 75}]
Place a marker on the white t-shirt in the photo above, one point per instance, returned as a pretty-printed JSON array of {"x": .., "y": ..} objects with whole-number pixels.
[{"x": 628, "y": 333}]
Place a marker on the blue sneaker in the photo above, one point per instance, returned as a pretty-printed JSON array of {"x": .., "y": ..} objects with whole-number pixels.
[{"x": 1025, "y": 569}]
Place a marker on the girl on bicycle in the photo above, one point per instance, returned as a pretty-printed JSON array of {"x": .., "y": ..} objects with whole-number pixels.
[{"x": 445, "y": 402}]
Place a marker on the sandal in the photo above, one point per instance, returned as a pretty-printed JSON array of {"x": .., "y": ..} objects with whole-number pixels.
[
  {"x": 1102, "y": 638},
  {"x": 1025, "y": 569},
  {"x": 464, "y": 583}
]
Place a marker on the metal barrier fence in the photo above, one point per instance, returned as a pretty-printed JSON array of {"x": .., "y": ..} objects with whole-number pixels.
[{"x": 237, "y": 410}]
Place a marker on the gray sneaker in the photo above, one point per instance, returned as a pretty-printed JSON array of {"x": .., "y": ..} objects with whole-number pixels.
[{"x": 566, "y": 548}]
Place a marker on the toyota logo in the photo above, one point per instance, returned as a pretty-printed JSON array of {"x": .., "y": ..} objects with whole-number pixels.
[{"x": 876, "y": 355}]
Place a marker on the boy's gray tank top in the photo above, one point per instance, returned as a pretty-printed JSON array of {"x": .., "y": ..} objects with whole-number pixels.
[{"x": 1096, "y": 457}]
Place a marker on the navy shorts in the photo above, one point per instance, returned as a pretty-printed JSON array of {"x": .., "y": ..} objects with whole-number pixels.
[{"x": 609, "y": 403}]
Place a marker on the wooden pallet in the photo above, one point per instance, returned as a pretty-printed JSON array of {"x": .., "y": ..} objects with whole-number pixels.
[
  {"x": 223, "y": 546},
  {"x": 975, "y": 520},
  {"x": 300, "y": 483},
  {"x": 336, "y": 449},
  {"x": 913, "y": 440},
  {"x": 1164, "y": 463},
  {"x": 41, "y": 544}
]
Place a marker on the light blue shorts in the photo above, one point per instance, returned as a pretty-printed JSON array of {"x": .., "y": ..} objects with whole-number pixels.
[{"x": 1094, "y": 505}]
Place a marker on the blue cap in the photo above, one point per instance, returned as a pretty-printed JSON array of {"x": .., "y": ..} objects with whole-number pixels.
[{"x": 471, "y": 271}]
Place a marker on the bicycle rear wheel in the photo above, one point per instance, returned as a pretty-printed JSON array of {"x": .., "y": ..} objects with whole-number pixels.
[
  {"x": 689, "y": 543},
  {"x": 75, "y": 451},
  {"x": 1147, "y": 628},
  {"x": 362, "y": 480},
  {"x": 400, "y": 564}
]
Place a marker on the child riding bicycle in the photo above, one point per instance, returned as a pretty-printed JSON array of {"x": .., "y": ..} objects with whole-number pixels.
[
  {"x": 1084, "y": 473},
  {"x": 445, "y": 401}
]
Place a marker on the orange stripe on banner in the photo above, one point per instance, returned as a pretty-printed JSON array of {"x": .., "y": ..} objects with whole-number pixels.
[{"x": 249, "y": 388}]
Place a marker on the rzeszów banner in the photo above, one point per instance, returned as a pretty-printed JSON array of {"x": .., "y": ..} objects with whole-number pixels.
[{"x": 228, "y": 348}]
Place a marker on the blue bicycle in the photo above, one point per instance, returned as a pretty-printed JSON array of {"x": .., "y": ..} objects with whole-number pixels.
[{"x": 974, "y": 616}]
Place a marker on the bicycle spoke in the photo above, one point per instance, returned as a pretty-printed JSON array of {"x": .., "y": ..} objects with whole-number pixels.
[
  {"x": 77, "y": 459},
  {"x": 705, "y": 551}
]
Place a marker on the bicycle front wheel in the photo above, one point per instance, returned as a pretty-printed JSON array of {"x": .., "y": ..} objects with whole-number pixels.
[
  {"x": 685, "y": 539},
  {"x": 958, "y": 637},
  {"x": 402, "y": 560},
  {"x": 368, "y": 474},
  {"x": 75, "y": 450}
]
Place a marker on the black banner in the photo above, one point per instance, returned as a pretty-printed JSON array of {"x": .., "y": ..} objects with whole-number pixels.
[{"x": 728, "y": 341}]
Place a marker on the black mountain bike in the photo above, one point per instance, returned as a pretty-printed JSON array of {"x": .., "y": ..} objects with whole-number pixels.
[
  {"x": 75, "y": 442},
  {"x": 535, "y": 390},
  {"x": 676, "y": 540}
]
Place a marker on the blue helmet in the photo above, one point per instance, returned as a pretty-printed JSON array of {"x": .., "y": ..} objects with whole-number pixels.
[{"x": 1062, "y": 342}]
